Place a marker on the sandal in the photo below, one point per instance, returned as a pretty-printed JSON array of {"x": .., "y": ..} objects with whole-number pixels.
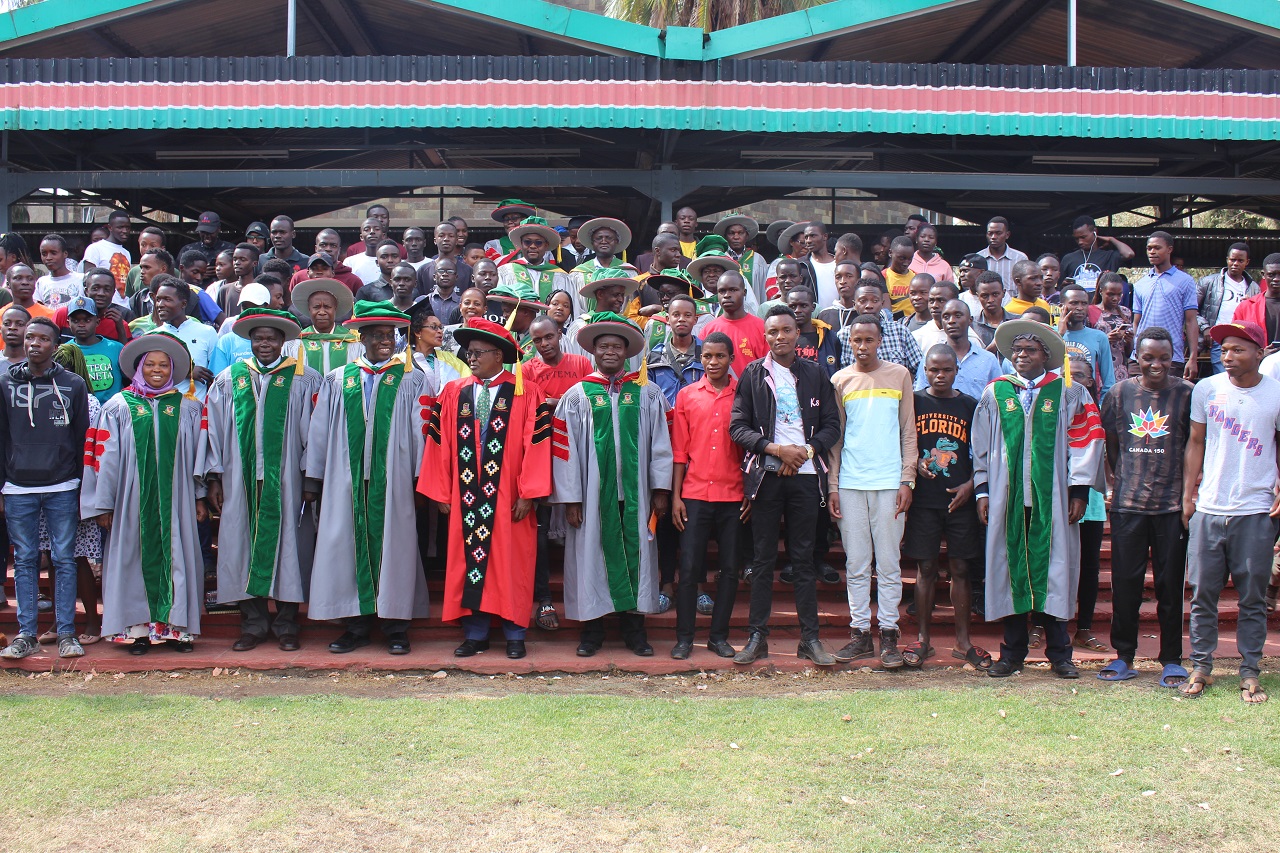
[
  {"x": 48, "y": 638},
  {"x": 89, "y": 639},
  {"x": 1090, "y": 643},
  {"x": 548, "y": 619},
  {"x": 1194, "y": 687},
  {"x": 1251, "y": 691},
  {"x": 916, "y": 654},
  {"x": 1172, "y": 675},
  {"x": 1117, "y": 670},
  {"x": 975, "y": 657},
  {"x": 1036, "y": 638}
]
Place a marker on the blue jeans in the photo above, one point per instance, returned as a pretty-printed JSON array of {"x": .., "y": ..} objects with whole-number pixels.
[
  {"x": 61, "y": 515},
  {"x": 1215, "y": 356},
  {"x": 475, "y": 626}
]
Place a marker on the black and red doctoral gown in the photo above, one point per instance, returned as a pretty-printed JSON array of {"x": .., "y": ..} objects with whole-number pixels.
[{"x": 485, "y": 542}]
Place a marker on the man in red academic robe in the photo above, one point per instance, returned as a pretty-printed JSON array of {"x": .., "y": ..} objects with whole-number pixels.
[{"x": 488, "y": 458}]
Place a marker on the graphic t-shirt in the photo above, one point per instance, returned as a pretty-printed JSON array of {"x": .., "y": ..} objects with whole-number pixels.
[
  {"x": 942, "y": 438},
  {"x": 113, "y": 257},
  {"x": 54, "y": 291},
  {"x": 103, "y": 361},
  {"x": 1087, "y": 267},
  {"x": 747, "y": 334},
  {"x": 1151, "y": 429},
  {"x": 807, "y": 345},
  {"x": 1240, "y": 444}
]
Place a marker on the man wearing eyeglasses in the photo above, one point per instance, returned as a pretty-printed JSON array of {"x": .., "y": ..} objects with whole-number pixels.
[
  {"x": 446, "y": 301},
  {"x": 532, "y": 269},
  {"x": 487, "y": 461}
]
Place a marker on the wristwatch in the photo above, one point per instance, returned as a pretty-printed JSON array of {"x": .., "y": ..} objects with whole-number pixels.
[
  {"x": 909, "y": 484},
  {"x": 809, "y": 448}
]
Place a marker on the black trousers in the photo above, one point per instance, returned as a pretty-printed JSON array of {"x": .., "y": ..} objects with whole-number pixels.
[
  {"x": 800, "y": 499},
  {"x": 1090, "y": 566},
  {"x": 707, "y": 520},
  {"x": 822, "y": 538},
  {"x": 362, "y": 626},
  {"x": 1134, "y": 538},
  {"x": 632, "y": 625},
  {"x": 255, "y": 618},
  {"x": 668, "y": 550},
  {"x": 1057, "y": 642}
]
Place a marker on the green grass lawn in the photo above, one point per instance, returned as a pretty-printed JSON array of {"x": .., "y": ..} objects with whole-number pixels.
[{"x": 980, "y": 766}]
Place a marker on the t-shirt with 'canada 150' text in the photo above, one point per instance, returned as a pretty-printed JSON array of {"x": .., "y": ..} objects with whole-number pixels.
[{"x": 1150, "y": 430}]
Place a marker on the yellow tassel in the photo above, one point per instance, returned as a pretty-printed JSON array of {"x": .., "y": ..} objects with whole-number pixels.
[
  {"x": 1066, "y": 374},
  {"x": 511, "y": 320},
  {"x": 298, "y": 367},
  {"x": 644, "y": 371},
  {"x": 558, "y": 245},
  {"x": 624, "y": 256},
  {"x": 519, "y": 380}
]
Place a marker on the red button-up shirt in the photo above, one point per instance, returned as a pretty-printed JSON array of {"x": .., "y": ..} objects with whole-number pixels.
[{"x": 700, "y": 440}]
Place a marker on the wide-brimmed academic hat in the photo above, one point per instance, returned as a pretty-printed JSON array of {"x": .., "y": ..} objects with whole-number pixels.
[
  {"x": 608, "y": 323},
  {"x": 159, "y": 341},
  {"x": 1009, "y": 330},
  {"x": 376, "y": 314},
  {"x": 512, "y": 205},
  {"x": 480, "y": 329},
  {"x": 610, "y": 276},
  {"x": 270, "y": 318},
  {"x": 617, "y": 226},
  {"x": 776, "y": 228},
  {"x": 1247, "y": 330},
  {"x": 678, "y": 277},
  {"x": 786, "y": 235},
  {"x": 712, "y": 250},
  {"x": 304, "y": 290},
  {"x": 517, "y": 296},
  {"x": 534, "y": 225},
  {"x": 722, "y": 227}
]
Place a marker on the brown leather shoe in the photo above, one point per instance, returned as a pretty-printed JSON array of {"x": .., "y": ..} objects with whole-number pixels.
[
  {"x": 289, "y": 643},
  {"x": 247, "y": 642}
]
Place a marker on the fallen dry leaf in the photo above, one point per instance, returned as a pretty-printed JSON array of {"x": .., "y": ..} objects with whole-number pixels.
[
  {"x": 1204, "y": 806},
  {"x": 848, "y": 718},
  {"x": 1117, "y": 771},
  {"x": 1003, "y": 714},
  {"x": 1148, "y": 793}
]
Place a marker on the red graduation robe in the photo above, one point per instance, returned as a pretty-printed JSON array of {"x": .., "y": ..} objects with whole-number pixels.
[{"x": 483, "y": 538}]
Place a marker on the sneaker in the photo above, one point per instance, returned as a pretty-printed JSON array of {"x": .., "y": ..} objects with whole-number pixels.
[
  {"x": 858, "y": 648},
  {"x": 664, "y": 602},
  {"x": 705, "y": 605},
  {"x": 890, "y": 657},
  {"x": 23, "y": 645},
  {"x": 69, "y": 647}
]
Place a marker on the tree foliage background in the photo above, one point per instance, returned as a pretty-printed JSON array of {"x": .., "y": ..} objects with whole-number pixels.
[{"x": 706, "y": 14}]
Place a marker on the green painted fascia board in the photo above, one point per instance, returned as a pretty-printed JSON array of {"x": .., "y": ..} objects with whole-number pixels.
[
  {"x": 1262, "y": 13},
  {"x": 587, "y": 28},
  {"x": 50, "y": 16},
  {"x": 823, "y": 20}
]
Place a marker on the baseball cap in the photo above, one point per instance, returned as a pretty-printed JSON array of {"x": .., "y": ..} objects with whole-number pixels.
[
  {"x": 82, "y": 303},
  {"x": 210, "y": 222},
  {"x": 255, "y": 293},
  {"x": 1247, "y": 330},
  {"x": 257, "y": 229},
  {"x": 321, "y": 257}
]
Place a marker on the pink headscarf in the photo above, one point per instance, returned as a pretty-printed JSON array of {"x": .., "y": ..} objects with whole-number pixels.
[{"x": 139, "y": 384}]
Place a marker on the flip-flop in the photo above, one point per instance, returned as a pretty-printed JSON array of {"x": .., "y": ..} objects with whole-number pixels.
[
  {"x": 1117, "y": 670},
  {"x": 1173, "y": 670},
  {"x": 1036, "y": 638},
  {"x": 1090, "y": 644},
  {"x": 1250, "y": 689},
  {"x": 1195, "y": 685},
  {"x": 916, "y": 654}
]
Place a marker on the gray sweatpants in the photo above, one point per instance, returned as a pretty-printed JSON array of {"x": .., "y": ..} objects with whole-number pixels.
[{"x": 1239, "y": 547}]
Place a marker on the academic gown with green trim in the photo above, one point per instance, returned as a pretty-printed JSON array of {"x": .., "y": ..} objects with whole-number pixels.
[
  {"x": 524, "y": 471},
  {"x": 324, "y": 352},
  {"x": 111, "y": 483},
  {"x": 280, "y": 565},
  {"x": 577, "y": 479},
  {"x": 523, "y": 278},
  {"x": 400, "y": 591},
  {"x": 1045, "y": 586}
]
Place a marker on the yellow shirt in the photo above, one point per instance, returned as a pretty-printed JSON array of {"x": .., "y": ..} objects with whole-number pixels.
[
  {"x": 900, "y": 290},
  {"x": 1019, "y": 306},
  {"x": 690, "y": 249}
]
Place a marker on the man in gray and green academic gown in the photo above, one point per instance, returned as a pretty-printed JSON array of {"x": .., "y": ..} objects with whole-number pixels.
[
  {"x": 509, "y": 213},
  {"x": 257, "y": 415},
  {"x": 608, "y": 239},
  {"x": 740, "y": 231},
  {"x": 324, "y": 344},
  {"x": 611, "y": 467},
  {"x": 364, "y": 447},
  {"x": 532, "y": 269}
]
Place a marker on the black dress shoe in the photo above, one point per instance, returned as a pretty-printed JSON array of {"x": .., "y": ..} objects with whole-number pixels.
[
  {"x": 587, "y": 649},
  {"x": 757, "y": 647},
  {"x": 788, "y": 574},
  {"x": 1003, "y": 669},
  {"x": 398, "y": 643},
  {"x": 721, "y": 648},
  {"x": 246, "y": 643},
  {"x": 813, "y": 650},
  {"x": 289, "y": 643},
  {"x": 827, "y": 573},
  {"x": 1065, "y": 669},
  {"x": 140, "y": 647},
  {"x": 515, "y": 649},
  {"x": 641, "y": 648},
  {"x": 470, "y": 648},
  {"x": 681, "y": 650},
  {"x": 348, "y": 642}
]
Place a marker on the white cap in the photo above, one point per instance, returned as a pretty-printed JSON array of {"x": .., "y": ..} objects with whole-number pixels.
[{"x": 255, "y": 293}]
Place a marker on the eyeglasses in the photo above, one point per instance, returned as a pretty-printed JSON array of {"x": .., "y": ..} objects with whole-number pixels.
[
  {"x": 473, "y": 354},
  {"x": 379, "y": 336}
]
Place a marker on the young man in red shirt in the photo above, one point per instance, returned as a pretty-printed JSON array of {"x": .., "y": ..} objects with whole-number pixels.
[
  {"x": 706, "y": 494},
  {"x": 745, "y": 330}
]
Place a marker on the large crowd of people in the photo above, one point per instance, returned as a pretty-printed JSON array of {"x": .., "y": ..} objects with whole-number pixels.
[{"x": 335, "y": 422}]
